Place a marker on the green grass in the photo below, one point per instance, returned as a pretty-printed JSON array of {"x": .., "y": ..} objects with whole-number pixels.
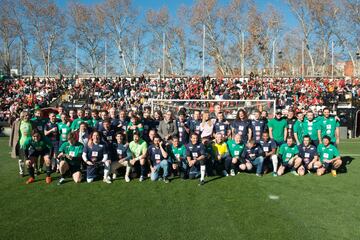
[{"x": 308, "y": 207}]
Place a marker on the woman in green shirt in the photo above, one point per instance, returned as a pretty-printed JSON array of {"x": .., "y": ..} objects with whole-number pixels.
[{"x": 70, "y": 154}]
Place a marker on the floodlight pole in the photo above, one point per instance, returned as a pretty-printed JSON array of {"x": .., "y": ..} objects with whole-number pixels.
[
  {"x": 105, "y": 59},
  {"x": 242, "y": 54},
  {"x": 332, "y": 60},
  {"x": 273, "y": 58},
  {"x": 21, "y": 53},
  {"x": 203, "y": 50},
  {"x": 302, "y": 60},
  {"x": 134, "y": 68},
  {"x": 163, "y": 70},
  {"x": 76, "y": 58}
]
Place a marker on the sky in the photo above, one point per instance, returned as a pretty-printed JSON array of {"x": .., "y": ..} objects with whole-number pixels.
[{"x": 173, "y": 5}]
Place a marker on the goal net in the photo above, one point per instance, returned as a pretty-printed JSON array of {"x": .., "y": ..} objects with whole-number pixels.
[{"x": 228, "y": 107}]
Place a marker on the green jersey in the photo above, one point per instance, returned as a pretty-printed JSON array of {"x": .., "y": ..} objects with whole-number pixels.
[
  {"x": 287, "y": 152},
  {"x": 75, "y": 151},
  {"x": 25, "y": 134},
  {"x": 76, "y": 123},
  {"x": 137, "y": 148},
  {"x": 278, "y": 127},
  {"x": 310, "y": 128},
  {"x": 178, "y": 153},
  {"x": 327, "y": 126},
  {"x": 64, "y": 131},
  {"x": 299, "y": 130},
  {"x": 235, "y": 149},
  {"x": 39, "y": 146},
  {"x": 93, "y": 122},
  {"x": 327, "y": 153}
]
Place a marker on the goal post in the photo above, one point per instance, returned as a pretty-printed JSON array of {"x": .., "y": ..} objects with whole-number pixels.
[{"x": 228, "y": 107}]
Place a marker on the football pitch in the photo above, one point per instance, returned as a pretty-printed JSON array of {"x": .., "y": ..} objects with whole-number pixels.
[{"x": 241, "y": 207}]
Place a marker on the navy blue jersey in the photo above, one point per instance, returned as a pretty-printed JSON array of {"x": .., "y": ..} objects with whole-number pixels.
[
  {"x": 155, "y": 154},
  {"x": 252, "y": 153},
  {"x": 121, "y": 151},
  {"x": 122, "y": 125},
  {"x": 148, "y": 124},
  {"x": 96, "y": 152},
  {"x": 108, "y": 136},
  {"x": 258, "y": 127},
  {"x": 195, "y": 151},
  {"x": 183, "y": 135},
  {"x": 290, "y": 127},
  {"x": 267, "y": 146},
  {"x": 194, "y": 126},
  {"x": 221, "y": 127},
  {"x": 242, "y": 128},
  {"x": 99, "y": 126},
  {"x": 53, "y": 136},
  {"x": 307, "y": 153},
  {"x": 114, "y": 123}
]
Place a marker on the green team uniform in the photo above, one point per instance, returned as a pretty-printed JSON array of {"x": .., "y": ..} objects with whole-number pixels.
[
  {"x": 75, "y": 125},
  {"x": 310, "y": 128},
  {"x": 25, "y": 134},
  {"x": 137, "y": 148},
  {"x": 178, "y": 153},
  {"x": 130, "y": 132},
  {"x": 299, "y": 130},
  {"x": 235, "y": 149},
  {"x": 278, "y": 128},
  {"x": 287, "y": 152},
  {"x": 327, "y": 126},
  {"x": 327, "y": 153},
  {"x": 75, "y": 151},
  {"x": 64, "y": 131},
  {"x": 93, "y": 122},
  {"x": 40, "y": 148}
]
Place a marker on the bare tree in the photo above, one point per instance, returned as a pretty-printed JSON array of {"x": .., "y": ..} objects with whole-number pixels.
[
  {"x": 88, "y": 24},
  {"x": 46, "y": 24}
]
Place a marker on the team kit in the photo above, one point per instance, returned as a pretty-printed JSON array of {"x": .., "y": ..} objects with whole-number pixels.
[{"x": 89, "y": 145}]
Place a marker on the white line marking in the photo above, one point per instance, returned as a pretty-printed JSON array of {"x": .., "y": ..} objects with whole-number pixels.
[{"x": 274, "y": 197}]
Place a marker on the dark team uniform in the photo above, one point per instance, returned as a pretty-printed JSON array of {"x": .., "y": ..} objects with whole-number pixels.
[
  {"x": 258, "y": 127},
  {"x": 183, "y": 134},
  {"x": 290, "y": 127},
  {"x": 221, "y": 127},
  {"x": 95, "y": 155},
  {"x": 242, "y": 128},
  {"x": 307, "y": 154},
  {"x": 195, "y": 151}
]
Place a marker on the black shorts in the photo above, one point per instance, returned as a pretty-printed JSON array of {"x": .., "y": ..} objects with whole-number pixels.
[
  {"x": 286, "y": 165},
  {"x": 73, "y": 168},
  {"x": 327, "y": 166},
  {"x": 37, "y": 154}
]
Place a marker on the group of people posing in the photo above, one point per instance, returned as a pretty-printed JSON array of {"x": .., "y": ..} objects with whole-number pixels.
[{"x": 91, "y": 144}]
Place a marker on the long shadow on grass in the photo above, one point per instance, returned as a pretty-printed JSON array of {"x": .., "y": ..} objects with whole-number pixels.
[{"x": 346, "y": 160}]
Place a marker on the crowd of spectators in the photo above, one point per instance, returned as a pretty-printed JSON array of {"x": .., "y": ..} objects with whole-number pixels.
[
  {"x": 28, "y": 93},
  {"x": 100, "y": 93}
]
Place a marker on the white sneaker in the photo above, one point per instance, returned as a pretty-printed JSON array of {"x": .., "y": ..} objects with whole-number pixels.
[
  {"x": 232, "y": 172},
  {"x": 107, "y": 180},
  {"x": 141, "y": 178},
  {"x": 225, "y": 173},
  {"x": 114, "y": 176},
  {"x": 127, "y": 179}
]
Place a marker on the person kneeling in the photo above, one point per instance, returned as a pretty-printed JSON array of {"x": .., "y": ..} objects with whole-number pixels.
[
  {"x": 121, "y": 157},
  {"x": 70, "y": 158},
  {"x": 308, "y": 156},
  {"x": 253, "y": 155},
  {"x": 157, "y": 157},
  {"x": 329, "y": 157},
  {"x": 95, "y": 155},
  {"x": 288, "y": 153}
]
